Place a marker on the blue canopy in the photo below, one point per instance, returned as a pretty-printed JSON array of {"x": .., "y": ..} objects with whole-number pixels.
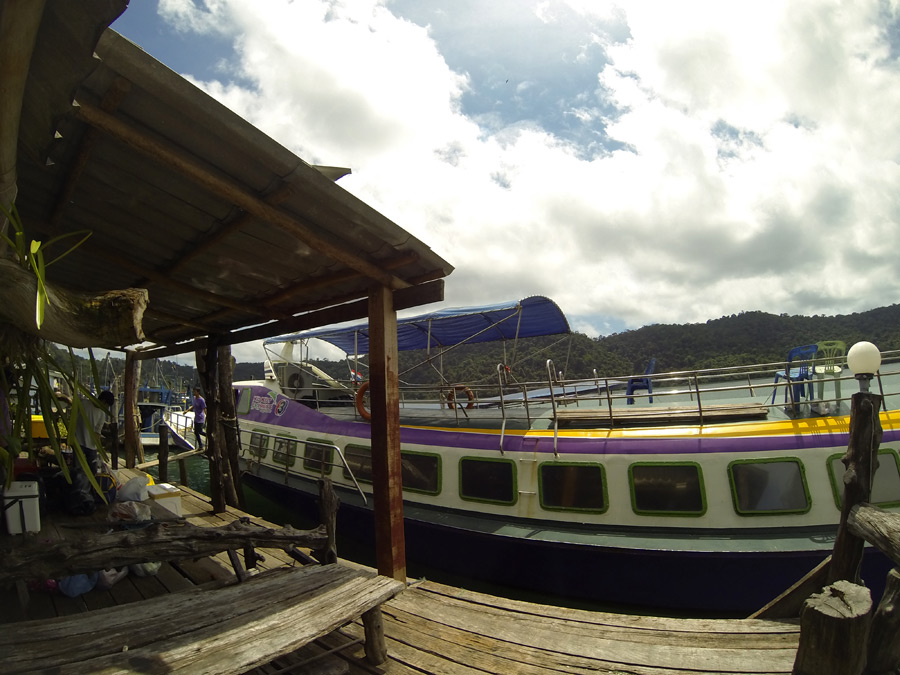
[{"x": 530, "y": 317}]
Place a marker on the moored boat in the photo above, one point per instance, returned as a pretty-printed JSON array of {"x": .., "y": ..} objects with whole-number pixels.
[{"x": 714, "y": 490}]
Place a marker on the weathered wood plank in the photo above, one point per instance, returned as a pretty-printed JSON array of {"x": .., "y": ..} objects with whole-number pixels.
[
  {"x": 48, "y": 561},
  {"x": 701, "y": 651},
  {"x": 254, "y": 622},
  {"x": 590, "y": 618}
]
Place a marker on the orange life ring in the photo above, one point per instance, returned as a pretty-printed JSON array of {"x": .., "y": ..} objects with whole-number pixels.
[
  {"x": 451, "y": 396},
  {"x": 360, "y": 402}
]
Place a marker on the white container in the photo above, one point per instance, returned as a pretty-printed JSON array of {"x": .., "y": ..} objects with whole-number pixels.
[
  {"x": 166, "y": 495},
  {"x": 22, "y": 507}
]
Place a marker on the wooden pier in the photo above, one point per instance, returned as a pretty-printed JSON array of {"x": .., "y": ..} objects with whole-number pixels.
[{"x": 432, "y": 628}]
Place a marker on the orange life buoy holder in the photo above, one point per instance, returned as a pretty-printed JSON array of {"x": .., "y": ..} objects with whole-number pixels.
[
  {"x": 361, "y": 403},
  {"x": 451, "y": 396}
]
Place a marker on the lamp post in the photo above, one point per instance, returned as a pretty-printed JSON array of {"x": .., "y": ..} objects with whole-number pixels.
[{"x": 864, "y": 359}]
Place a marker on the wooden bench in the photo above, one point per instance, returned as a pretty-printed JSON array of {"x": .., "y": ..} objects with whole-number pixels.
[{"x": 225, "y": 630}]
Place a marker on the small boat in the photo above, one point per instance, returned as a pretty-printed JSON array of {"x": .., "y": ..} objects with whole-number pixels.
[{"x": 709, "y": 490}]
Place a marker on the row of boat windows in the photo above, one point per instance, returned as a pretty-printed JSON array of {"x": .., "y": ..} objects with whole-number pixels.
[{"x": 758, "y": 486}]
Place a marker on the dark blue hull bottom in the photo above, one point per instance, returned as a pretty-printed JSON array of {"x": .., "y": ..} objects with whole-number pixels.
[{"x": 726, "y": 584}]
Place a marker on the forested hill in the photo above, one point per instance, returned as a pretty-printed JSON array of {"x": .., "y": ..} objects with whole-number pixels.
[{"x": 750, "y": 337}]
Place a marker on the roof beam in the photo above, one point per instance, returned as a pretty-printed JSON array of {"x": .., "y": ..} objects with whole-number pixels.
[
  {"x": 413, "y": 296},
  {"x": 230, "y": 191}
]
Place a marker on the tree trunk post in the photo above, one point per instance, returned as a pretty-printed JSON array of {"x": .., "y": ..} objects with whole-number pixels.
[
  {"x": 861, "y": 461},
  {"x": 230, "y": 441},
  {"x": 209, "y": 372},
  {"x": 132, "y": 434},
  {"x": 884, "y": 638},
  {"x": 834, "y": 631}
]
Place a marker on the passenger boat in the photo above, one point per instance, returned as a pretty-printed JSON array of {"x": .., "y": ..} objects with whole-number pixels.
[{"x": 715, "y": 490}]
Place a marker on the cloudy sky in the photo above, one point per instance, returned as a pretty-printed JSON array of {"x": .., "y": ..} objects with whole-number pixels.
[{"x": 653, "y": 162}]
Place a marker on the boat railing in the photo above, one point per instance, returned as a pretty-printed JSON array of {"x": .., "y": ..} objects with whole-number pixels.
[{"x": 276, "y": 438}]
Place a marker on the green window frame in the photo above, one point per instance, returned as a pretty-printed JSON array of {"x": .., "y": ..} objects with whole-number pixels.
[
  {"x": 885, "y": 485},
  {"x": 259, "y": 443},
  {"x": 359, "y": 459},
  {"x": 573, "y": 486},
  {"x": 488, "y": 479},
  {"x": 421, "y": 472},
  {"x": 318, "y": 456},
  {"x": 667, "y": 489},
  {"x": 284, "y": 450},
  {"x": 769, "y": 486}
]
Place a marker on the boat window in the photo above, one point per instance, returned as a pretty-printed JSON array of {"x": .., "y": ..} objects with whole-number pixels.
[
  {"x": 284, "y": 451},
  {"x": 576, "y": 487},
  {"x": 760, "y": 486},
  {"x": 318, "y": 457},
  {"x": 667, "y": 488},
  {"x": 421, "y": 472},
  {"x": 359, "y": 459},
  {"x": 487, "y": 480},
  {"x": 885, "y": 483},
  {"x": 242, "y": 400},
  {"x": 259, "y": 442}
]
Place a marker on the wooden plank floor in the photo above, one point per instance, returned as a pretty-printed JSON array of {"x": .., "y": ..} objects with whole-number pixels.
[{"x": 432, "y": 628}]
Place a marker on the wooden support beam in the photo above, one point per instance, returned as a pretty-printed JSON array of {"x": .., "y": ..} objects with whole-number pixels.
[
  {"x": 132, "y": 434},
  {"x": 50, "y": 560},
  {"x": 421, "y": 294},
  {"x": 230, "y": 190},
  {"x": 384, "y": 390}
]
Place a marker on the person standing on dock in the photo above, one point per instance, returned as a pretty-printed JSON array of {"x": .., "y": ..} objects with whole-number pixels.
[{"x": 199, "y": 408}]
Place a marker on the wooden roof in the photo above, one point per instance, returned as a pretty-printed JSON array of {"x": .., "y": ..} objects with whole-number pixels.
[{"x": 226, "y": 228}]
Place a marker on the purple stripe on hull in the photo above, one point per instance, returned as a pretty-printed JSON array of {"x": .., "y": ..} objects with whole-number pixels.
[{"x": 286, "y": 413}]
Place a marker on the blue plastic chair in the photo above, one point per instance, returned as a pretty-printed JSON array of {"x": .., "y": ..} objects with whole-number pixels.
[
  {"x": 636, "y": 383},
  {"x": 801, "y": 376}
]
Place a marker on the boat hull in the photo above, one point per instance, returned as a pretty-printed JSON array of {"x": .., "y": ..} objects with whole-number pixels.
[{"x": 725, "y": 582}]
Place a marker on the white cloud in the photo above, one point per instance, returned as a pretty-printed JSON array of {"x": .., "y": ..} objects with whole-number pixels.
[{"x": 743, "y": 155}]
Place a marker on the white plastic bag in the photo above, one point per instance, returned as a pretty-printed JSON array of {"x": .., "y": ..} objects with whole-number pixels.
[
  {"x": 109, "y": 578},
  {"x": 134, "y": 490},
  {"x": 128, "y": 512}
]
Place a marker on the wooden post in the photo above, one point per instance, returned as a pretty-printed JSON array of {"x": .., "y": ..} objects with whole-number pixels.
[
  {"x": 860, "y": 460},
  {"x": 234, "y": 495},
  {"x": 163, "y": 454},
  {"x": 132, "y": 434},
  {"x": 375, "y": 646},
  {"x": 207, "y": 365},
  {"x": 834, "y": 628},
  {"x": 328, "y": 506},
  {"x": 182, "y": 471},
  {"x": 884, "y": 638},
  {"x": 384, "y": 391}
]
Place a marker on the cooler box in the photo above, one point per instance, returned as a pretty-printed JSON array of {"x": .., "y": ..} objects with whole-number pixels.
[
  {"x": 22, "y": 507},
  {"x": 166, "y": 495}
]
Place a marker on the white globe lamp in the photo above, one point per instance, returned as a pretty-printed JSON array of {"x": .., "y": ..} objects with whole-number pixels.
[{"x": 864, "y": 360}]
